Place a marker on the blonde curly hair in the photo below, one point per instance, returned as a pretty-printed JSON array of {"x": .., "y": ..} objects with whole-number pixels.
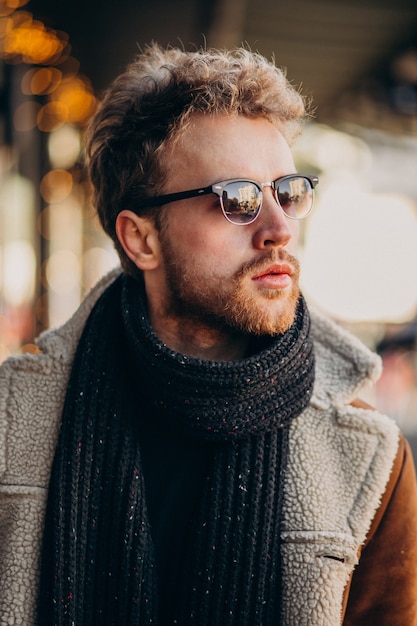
[{"x": 151, "y": 103}]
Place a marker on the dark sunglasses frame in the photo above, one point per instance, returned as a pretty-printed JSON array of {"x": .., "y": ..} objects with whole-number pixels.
[{"x": 217, "y": 189}]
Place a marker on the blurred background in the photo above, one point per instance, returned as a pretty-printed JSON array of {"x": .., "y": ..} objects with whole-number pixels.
[{"x": 357, "y": 61}]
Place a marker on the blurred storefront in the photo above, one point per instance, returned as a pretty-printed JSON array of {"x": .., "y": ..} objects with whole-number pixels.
[
  {"x": 359, "y": 256},
  {"x": 51, "y": 249}
]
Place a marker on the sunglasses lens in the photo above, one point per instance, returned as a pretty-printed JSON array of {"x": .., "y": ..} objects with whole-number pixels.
[
  {"x": 295, "y": 196},
  {"x": 241, "y": 202}
]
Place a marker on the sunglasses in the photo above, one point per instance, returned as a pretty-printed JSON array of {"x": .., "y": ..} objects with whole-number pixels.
[{"x": 241, "y": 199}]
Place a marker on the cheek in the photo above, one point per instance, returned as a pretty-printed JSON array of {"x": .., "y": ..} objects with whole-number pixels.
[
  {"x": 223, "y": 253},
  {"x": 295, "y": 231},
  {"x": 213, "y": 256},
  {"x": 216, "y": 243}
]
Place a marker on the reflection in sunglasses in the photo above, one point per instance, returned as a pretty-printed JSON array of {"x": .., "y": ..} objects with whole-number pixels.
[{"x": 248, "y": 202}]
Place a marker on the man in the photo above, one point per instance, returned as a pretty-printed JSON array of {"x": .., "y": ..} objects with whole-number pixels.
[{"x": 188, "y": 449}]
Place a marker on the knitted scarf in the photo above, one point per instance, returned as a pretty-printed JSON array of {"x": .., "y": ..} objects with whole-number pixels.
[{"x": 98, "y": 565}]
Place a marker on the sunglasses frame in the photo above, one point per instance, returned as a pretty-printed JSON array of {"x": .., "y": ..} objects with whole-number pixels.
[{"x": 217, "y": 189}]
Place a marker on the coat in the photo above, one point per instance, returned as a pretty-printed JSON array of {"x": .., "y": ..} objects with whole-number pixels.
[{"x": 349, "y": 526}]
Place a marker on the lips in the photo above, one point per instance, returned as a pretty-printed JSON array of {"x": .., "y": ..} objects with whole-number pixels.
[
  {"x": 275, "y": 270},
  {"x": 276, "y": 276}
]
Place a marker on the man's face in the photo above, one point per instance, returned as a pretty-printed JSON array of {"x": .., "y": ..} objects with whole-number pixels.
[{"x": 218, "y": 274}]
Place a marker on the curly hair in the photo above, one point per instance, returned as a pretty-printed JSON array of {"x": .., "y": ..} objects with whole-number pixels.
[{"x": 150, "y": 104}]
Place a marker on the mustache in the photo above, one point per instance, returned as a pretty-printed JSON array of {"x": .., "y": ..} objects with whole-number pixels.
[{"x": 267, "y": 259}]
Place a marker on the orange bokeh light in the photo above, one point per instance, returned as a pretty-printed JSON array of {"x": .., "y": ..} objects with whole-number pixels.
[
  {"x": 41, "y": 81},
  {"x": 77, "y": 94},
  {"x": 31, "y": 40},
  {"x": 56, "y": 185},
  {"x": 8, "y": 6},
  {"x": 51, "y": 116}
]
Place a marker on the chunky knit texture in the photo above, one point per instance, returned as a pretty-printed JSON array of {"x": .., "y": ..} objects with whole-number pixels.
[{"x": 98, "y": 565}]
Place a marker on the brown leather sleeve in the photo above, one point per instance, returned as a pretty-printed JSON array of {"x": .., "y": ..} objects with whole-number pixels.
[{"x": 383, "y": 587}]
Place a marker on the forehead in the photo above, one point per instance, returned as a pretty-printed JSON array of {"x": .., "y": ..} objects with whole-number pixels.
[{"x": 217, "y": 147}]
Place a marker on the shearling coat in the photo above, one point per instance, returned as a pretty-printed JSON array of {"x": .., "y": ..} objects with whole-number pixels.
[{"x": 350, "y": 506}]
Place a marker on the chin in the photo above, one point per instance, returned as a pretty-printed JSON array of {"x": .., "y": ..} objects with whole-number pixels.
[{"x": 268, "y": 318}]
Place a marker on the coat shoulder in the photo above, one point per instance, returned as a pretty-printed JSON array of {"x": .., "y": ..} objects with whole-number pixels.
[
  {"x": 32, "y": 393},
  {"x": 345, "y": 366}
]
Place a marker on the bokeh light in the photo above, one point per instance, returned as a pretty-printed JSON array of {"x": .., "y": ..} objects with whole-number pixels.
[
  {"x": 64, "y": 146},
  {"x": 56, "y": 100},
  {"x": 360, "y": 249},
  {"x": 25, "y": 116},
  {"x": 41, "y": 81},
  {"x": 77, "y": 95},
  {"x": 97, "y": 261},
  {"x": 51, "y": 116},
  {"x": 19, "y": 280},
  {"x": 9, "y": 6},
  {"x": 63, "y": 271},
  {"x": 30, "y": 41},
  {"x": 56, "y": 185}
]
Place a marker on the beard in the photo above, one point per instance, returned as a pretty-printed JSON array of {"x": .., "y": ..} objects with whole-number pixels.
[{"x": 212, "y": 304}]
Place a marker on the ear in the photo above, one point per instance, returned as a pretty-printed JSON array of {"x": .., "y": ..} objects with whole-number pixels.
[{"x": 139, "y": 239}]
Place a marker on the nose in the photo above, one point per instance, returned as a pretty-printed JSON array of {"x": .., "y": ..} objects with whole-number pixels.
[{"x": 273, "y": 228}]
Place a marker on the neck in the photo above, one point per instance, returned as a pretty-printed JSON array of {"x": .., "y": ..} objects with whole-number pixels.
[
  {"x": 207, "y": 396},
  {"x": 194, "y": 338}
]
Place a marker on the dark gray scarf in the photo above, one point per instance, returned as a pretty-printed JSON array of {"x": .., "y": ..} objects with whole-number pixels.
[{"x": 98, "y": 565}]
